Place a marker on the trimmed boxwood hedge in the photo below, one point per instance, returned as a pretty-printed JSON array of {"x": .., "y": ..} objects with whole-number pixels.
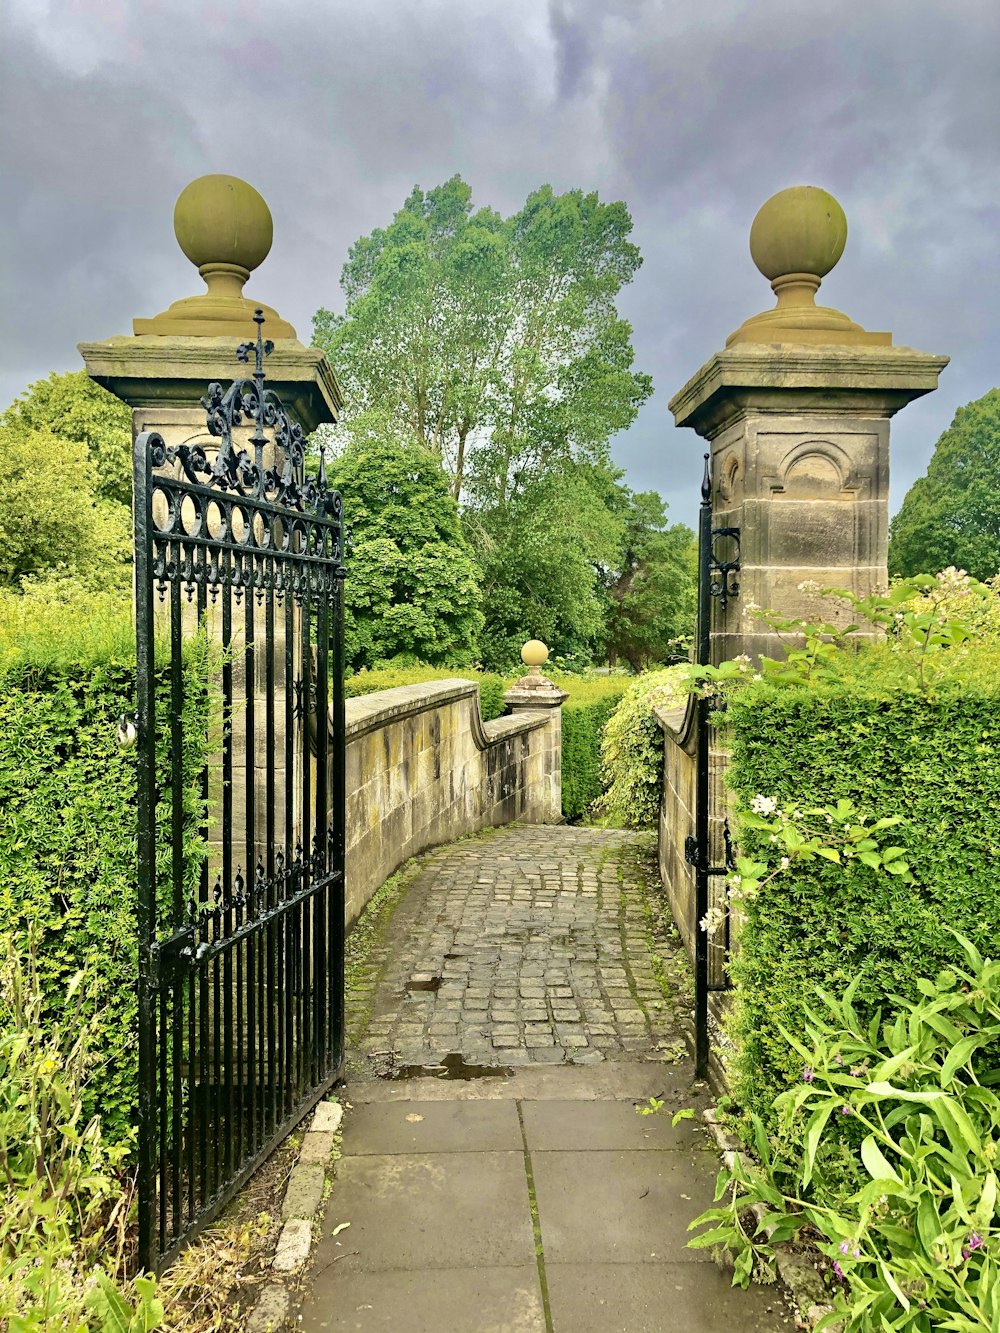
[{"x": 933, "y": 758}]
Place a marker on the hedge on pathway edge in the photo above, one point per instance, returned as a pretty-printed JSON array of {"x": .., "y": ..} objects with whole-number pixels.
[
  {"x": 68, "y": 843},
  {"x": 932, "y": 758}
]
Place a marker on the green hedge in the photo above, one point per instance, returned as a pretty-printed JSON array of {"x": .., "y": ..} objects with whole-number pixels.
[
  {"x": 592, "y": 700},
  {"x": 67, "y": 849},
  {"x": 933, "y": 758}
]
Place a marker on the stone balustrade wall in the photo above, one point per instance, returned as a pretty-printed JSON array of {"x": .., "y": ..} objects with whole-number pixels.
[{"x": 423, "y": 769}]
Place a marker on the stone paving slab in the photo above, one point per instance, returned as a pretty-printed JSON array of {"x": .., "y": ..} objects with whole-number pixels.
[
  {"x": 598, "y": 1126},
  {"x": 627, "y": 1206},
  {"x": 448, "y": 1300},
  {"x": 428, "y": 1211},
  {"x": 634, "y": 1082},
  {"x": 430, "y": 1127},
  {"x": 516, "y": 1011},
  {"x": 658, "y": 1298},
  {"x": 530, "y": 947}
]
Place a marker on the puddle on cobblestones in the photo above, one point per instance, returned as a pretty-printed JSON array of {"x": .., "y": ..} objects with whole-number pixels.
[
  {"x": 451, "y": 1067},
  {"x": 423, "y": 983}
]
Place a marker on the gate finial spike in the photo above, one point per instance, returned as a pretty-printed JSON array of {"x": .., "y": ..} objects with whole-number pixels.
[{"x": 706, "y": 482}]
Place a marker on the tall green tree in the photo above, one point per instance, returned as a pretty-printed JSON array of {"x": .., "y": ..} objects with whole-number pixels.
[
  {"x": 951, "y": 516},
  {"x": 50, "y": 519},
  {"x": 73, "y": 408},
  {"x": 413, "y": 587},
  {"x": 494, "y": 342},
  {"x": 652, "y": 585}
]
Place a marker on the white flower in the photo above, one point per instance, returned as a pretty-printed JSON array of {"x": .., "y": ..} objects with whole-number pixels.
[
  {"x": 785, "y": 863},
  {"x": 809, "y": 585},
  {"x": 712, "y": 920},
  {"x": 763, "y": 805}
]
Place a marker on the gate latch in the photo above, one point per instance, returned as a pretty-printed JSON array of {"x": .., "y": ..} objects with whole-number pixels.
[
  {"x": 691, "y": 851},
  {"x": 180, "y": 948}
]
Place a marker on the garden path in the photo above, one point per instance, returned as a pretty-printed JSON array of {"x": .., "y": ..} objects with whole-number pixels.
[{"x": 523, "y": 999}]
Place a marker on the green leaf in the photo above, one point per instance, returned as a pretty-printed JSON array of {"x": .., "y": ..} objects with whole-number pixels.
[{"x": 877, "y": 1165}]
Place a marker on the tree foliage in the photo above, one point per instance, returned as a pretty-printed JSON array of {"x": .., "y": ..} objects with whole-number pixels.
[
  {"x": 494, "y": 342},
  {"x": 50, "y": 519},
  {"x": 652, "y": 585},
  {"x": 951, "y": 516},
  {"x": 412, "y": 589},
  {"x": 73, "y": 408}
]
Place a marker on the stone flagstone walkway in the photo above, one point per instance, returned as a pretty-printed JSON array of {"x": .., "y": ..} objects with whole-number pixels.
[{"x": 495, "y": 1175}]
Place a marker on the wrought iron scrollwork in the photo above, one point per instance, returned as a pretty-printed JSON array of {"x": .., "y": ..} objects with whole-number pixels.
[{"x": 235, "y": 470}]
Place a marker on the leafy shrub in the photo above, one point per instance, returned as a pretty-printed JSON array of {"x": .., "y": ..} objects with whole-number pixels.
[
  {"x": 872, "y": 735},
  {"x": 632, "y": 746},
  {"x": 68, "y": 821},
  {"x": 414, "y": 587},
  {"x": 63, "y": 1212},
  {"x": 917, "y": 1246}
]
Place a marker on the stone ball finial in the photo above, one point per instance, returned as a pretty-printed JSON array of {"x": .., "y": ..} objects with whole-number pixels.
[
  {"x": 796, "y": 238},
  {"x": 224, "y": 227},
  {"x": 799, "y": 230},
  {"x": 534, "y": 654},
  {"x": 223, "y": 220}
]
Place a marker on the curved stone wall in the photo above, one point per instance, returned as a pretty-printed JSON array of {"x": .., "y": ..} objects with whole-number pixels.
[{"x": 423, "y": 769}]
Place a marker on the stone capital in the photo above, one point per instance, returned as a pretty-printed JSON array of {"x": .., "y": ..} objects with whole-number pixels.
[
  {"x": 170, "y": 373},
  {"x": 798, "y": 379},
  {"x": 534, "y": 691}
]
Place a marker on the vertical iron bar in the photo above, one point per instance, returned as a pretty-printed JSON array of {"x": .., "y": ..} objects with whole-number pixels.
[
  {"x": 146, "y": 801},
  {"x": 338, "y": 906},
  {"x": 228, "y": 1122},
  {"x": 307, "y": 971},
  {"x": 287, "y": 935},
  {"x": 320, "y": 911},
  {"x": 198, "y": 1064},
  {"x": 270, "y": 1119},
  {"x": 701, "y": 782},
  {"x": 250, "y": 1043},
  {"x": 177, "y": 876}
]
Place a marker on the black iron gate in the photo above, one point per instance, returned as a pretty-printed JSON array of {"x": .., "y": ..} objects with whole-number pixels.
[
  {"x": 238, "y": 597},
  {"x": 710, "y": 849}
]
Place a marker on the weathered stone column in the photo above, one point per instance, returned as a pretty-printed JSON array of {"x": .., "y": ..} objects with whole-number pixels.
[
  {"x": 796, "y": 412},
  {"x": 164, "y": 369},
  {"x": 535, "y": 693}
]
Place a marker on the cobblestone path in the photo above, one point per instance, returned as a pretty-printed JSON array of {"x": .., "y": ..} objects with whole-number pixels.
[
  {"x": 475, "y": 1197},
  {"x": 536, "y": 944}
]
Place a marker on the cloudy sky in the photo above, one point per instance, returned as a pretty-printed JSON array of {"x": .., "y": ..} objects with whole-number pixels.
[{"x": 692, "y": 111}]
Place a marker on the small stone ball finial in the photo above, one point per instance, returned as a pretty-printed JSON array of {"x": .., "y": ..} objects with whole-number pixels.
[
  {"x": 223, "y": 220},
  {"x": 534, "y": 654},
  {"x": 799, "y": 230}
]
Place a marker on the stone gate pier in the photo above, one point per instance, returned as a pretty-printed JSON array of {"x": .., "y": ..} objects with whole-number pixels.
[{"x": 795, "y": 414}]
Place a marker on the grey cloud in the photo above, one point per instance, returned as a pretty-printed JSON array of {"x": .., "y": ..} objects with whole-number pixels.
[{"x": 693, "y": 114}]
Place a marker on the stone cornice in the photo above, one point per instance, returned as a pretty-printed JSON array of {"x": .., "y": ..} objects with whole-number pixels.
[
  {"x": 783, "y": 377},
  {"x": 174, "y": 372}
]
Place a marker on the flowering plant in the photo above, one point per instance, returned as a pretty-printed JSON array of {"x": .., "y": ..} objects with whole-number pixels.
[
  {"x": 839, "y": 833},
  {"x": 917, "y": 1247},
  {"x": 919, "y": 618}
]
